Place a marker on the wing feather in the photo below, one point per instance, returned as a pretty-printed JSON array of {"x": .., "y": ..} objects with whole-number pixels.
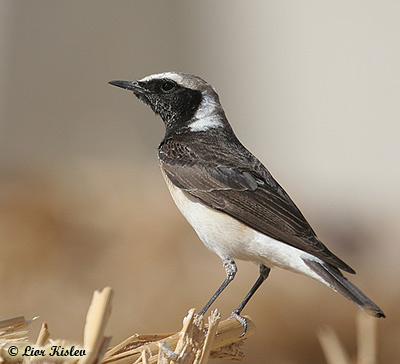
[{"x": 245, "y": 190}]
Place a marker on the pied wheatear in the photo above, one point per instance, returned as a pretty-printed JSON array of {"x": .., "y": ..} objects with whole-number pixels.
[{"x": 231, "y": 200}]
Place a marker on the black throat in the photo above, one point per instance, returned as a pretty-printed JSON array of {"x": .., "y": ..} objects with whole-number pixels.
[
  {"x": 185, "y": 104},
  {"x": 175, "y": 107}
]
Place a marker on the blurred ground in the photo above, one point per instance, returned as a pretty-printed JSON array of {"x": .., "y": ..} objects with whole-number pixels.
[{"x": 312, "y": 89}]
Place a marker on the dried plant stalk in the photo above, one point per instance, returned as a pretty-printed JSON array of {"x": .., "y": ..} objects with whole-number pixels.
[
  {"x": 334, "y": 351},
  {"x": 195, "y": 343},
  {"x": 213, "y": 322},
  {"x": 14, "y": 324},
  {"x": 184, "y": 333},
  {"x": 134, "y": 342},
  {"x": 14, "y": 330},
  {"x": 94, "y": 342},
  {"x": 224, "y": 334},
  {"x": 43, "y": 336},
  {"x": 366, "y": 339}
]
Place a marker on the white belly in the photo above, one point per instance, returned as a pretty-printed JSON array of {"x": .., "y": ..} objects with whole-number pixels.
[{"x": 231, "y": 239}]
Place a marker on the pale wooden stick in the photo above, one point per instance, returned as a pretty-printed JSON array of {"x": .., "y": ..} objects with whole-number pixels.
[
  {"x": 228, "y": 332},
  {"x": 43, "y": 336},
  {"x": 103, "y": 347},
  {"x": 366, "y": 339},
  {"x": 133, "y": 342},
  {"x": 213, "y": 322},
  {"x": 333, "y": 349},
  {"x": 162, "y": 357},
  {"x": 14, "y": 329},
  {"x": 145, "y": 357},
  {"x": 14, "y": 324},
  {"x": 184, "y": 332},
  {"x": 96, "y": 320}
]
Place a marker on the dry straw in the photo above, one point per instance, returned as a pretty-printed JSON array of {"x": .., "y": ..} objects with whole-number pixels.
[
  {"x": 336, "y": 353},
  {"x": 195, "y": 343}
]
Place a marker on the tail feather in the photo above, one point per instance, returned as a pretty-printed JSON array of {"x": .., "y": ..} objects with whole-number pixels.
[{"x": 335, "y": 279}]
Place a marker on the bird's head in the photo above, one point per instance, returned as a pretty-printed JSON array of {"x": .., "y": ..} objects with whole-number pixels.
[{"x": 182, "y": 100}]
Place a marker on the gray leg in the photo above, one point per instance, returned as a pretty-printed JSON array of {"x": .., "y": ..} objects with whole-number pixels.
[
  {"x": 264, "y": 272},
  {"x": 230, "y": 269}
]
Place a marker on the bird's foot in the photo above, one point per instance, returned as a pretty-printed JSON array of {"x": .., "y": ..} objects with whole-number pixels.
[{"x": 241, "y": 320}]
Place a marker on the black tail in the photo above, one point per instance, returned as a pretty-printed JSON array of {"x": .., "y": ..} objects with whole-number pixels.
[{"x": 335, "y": 279}]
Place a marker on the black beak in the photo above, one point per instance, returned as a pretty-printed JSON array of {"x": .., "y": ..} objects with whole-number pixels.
[{"x": 129, "y": 85}]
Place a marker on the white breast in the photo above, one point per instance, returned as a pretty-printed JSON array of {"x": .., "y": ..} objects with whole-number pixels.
[{"x": 229, "y": 238}]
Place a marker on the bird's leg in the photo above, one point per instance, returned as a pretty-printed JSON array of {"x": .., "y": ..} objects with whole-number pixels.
[
  {"x": 230, "y": 269},
  {"x": 264, "y": 272}
]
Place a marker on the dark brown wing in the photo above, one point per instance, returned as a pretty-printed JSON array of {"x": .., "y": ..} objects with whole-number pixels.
[{"x": 245, "y": 190}]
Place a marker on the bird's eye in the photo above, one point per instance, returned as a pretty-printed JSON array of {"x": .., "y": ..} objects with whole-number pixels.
[{"x": 168, "y": 86}]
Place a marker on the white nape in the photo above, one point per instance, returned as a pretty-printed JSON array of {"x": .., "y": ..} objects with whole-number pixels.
[
  {"x": 206, "y": 123},
  {"x": 206, "y": 116}
]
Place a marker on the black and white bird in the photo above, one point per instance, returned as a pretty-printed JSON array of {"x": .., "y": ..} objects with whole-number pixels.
[{"x": 231, "y": 200}]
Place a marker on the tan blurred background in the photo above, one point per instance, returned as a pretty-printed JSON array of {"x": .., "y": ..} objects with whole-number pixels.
[{"x": 311, "y": 87}]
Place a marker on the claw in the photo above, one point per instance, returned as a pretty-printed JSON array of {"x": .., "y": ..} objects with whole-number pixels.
[{"x": 241, "y": 320}]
